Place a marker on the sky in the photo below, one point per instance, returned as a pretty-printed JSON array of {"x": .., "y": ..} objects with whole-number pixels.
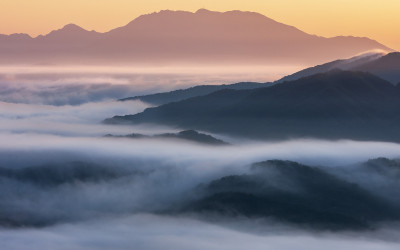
[{"x": 378, "y": 20}]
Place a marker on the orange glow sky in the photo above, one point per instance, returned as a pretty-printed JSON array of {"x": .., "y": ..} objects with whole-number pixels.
[{"x": 379, "y": 20}]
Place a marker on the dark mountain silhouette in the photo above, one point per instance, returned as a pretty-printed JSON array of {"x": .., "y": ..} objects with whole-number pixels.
[
  {"x": 184, "y": 37},
  {"x": 292, "y": 192},
  {"x": 334, "y": 105},
  {"x": 383, "y": 166},
  {"x": 379, "y": 175},
  {"x": 182, "y": 94},
  {"x": 187, "y": 135},
  {"x": 385, "y": 66}
]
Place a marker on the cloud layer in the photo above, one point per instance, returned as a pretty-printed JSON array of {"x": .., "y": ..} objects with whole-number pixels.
[
  {"x": 149, "y": 232},
  {"x": 65, "y": 186},
  {"x": 77, "y": 85}
]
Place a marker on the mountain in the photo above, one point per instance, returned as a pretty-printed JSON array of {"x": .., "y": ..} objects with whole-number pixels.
[
  {"x": 386, "y": 66},
  {"x": 176, "y": 37},
  {"x": 380, "y": 175},
  {"x": 333, "y": 105},
  {"x": 187, "y": 135},
  {"x": 182, "y": 94},
  {"x": 384, "y": 166},
  {"x": 295, "y": 193}
]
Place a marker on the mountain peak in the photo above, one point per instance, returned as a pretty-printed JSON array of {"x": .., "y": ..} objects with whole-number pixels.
[
  {"x": 393, "y": 55},
  {"x": 70, "y": 32},
  {"x": 203, "y": 11},
  {"x": 72, "y": 28},
  {"x": 17, "y": 36}
]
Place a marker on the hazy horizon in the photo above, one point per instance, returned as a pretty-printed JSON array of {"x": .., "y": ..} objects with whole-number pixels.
[{"x": 159, "y": 125}]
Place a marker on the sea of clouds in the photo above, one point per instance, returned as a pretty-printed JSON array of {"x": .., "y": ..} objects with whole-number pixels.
[{"x": 51, "y": 123}]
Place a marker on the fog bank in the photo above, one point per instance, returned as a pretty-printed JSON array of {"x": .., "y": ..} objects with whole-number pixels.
[{"x": 149, "y": 232}]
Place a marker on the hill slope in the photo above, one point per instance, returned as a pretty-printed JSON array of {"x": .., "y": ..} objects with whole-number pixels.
[
  {"x": 295, "y": 193},
  {"x": 182, "y": 94},
  {"x": 385, "y": 66}
]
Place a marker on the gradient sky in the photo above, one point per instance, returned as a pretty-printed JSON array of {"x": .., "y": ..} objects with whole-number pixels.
[{"x": 379, "y": 20}]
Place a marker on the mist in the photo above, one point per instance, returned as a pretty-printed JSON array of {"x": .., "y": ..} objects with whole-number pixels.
[
  {"x": 56, "y": 85},
  {"x": 154, "y": 232},
  {"x": 67, "y": 186}
]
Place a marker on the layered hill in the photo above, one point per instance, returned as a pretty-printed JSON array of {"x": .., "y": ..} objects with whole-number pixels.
[
  {"x": 386, "y": 66},
  {"x": 187, "y": 135},
  {"x": 333, "y": 105},
  {"x": 298, "y": 194},
  {"x": 182, "y": 94},
  {"x": 364, "y": 196},
  {"x": 183, "y": 37}
]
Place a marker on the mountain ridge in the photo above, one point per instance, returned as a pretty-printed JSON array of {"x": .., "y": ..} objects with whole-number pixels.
[
  {"x": 303, "y": 195},
  {"x": 334, "y": 105},
  {"x": 184, "y": 37},
  {"x": 386, "y": 66},
  {"x": 181, "y": 94},
  {"x": 187, "y": 135}
]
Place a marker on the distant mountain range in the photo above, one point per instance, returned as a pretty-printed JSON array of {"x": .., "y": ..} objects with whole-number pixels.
[
  {"x": 386, "y": 66},
  {"x": 174, "y": 37},
  {"x": 333, "y": 105}
]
